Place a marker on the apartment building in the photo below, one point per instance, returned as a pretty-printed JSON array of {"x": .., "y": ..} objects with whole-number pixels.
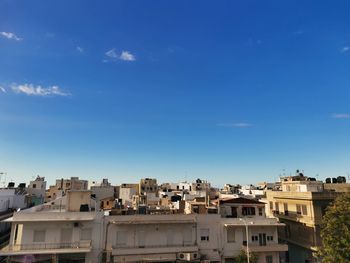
[
  {"x": 195, "y": 237},
  {"x": 300, "y": 205},
  {"x": 65, "y": 230},
  {"x": 74, "y": 183}
]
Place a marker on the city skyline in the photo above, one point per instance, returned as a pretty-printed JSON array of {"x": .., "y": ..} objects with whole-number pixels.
[{"x": 231, "y": 92}]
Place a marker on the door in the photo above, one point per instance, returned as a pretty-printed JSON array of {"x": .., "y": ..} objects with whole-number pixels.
[
  {"x": 262, "y": 239},
  {"x": 141, "y": 237},
  {"x": 234, "y": 212},
  {"x": 66, "y": 236}
]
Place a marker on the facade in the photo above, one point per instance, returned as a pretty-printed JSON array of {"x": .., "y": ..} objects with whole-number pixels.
[
  {"x": 59, "y": 231},
  {"x": 193, "y": 237},
  {"x": 127, "y": 192},
  {"x": 74, "y": 183},
  {"x": 37, "y": 190},
  {"x": 300, "y": 205}
]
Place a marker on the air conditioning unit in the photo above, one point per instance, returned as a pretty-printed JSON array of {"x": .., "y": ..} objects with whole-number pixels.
[{"x": 188, "y": 256}]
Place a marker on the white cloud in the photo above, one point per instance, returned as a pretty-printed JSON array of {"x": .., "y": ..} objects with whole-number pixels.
[
  {"x": 2, "y": 89},
  {"x": 235, "y": 125},
  {"x": 345, "y": 49},
  {"x": 341, "y": 116},
  {"x": 10, "y": 35},
  {"x": 124, "y": 55},
  {"x": 127, "y": 56},
  {"x": 31, "y": 90},
  {"x": 80, "y": 49}
]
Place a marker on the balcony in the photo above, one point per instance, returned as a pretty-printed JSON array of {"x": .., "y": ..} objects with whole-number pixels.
[
  {"x": 156, "y": 249},
  {"x": 47, "y": 248},
  {"x": 274, "y": 247}
]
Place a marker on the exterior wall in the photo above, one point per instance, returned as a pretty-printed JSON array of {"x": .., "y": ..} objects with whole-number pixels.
[
  {"x": 302, "y": 186},
  {"x": 345, "y": 187},
  {"x": 37, "y": 188},
  {"x": 54, "y": 234},
  {"x": 126, "y": 194},
  {"x": 6, "y": 199},
  {"x": 77, "y": 198},
  {"x": 209, "y": 249},
  {"x": 102, "y": 192},
  {"x": 10, "y": 200}
]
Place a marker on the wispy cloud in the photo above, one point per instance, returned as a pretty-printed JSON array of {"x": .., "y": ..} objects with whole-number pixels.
[
  {"x": 124, "y": 55},
  {"x": 235, "y": 125},
  {"x": 345, "y": 49},
  {"x": 2, "y": 89},
  {"x": 10, "y": 35},
  {"x": 32, "y": 90},
  {"x": 298, "y": 32},
  {"x": 112, "y": 54},
  {"x": 80, "y": 49},
  {"x": 341, "y": 116}
]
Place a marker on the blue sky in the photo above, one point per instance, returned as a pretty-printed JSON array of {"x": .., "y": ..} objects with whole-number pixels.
[{"x": 228, "y": 91}]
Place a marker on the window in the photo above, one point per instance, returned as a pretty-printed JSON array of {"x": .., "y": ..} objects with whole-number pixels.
[
  {"x": 39, "y": 236},
  {"x": 285, "y": 205},
  {"x": 299, "y": 209},
  {"x": 304, "y": 210},
  {"x": 271, "y": 206},
  {"x": 254, "y": 238},
  {"x": 231, "y": 238},
  {"x": 260, "y": 211},
  {"x": 85, "y": 234},
  {"x": 269, "y": 238},
  {"x": 248, "y": 211},
  {"x": 121, "y": 238},
  {"x": 34, "y": 185},
  {"x": 187, "y": 236},
  {"x": 277, "y": 208},
  {"x": 269, "y": 259},
  {"x": 204, "y": 234}
]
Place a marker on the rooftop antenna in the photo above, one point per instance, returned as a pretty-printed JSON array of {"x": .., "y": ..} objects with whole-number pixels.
[{"x": 4, "y": 178}]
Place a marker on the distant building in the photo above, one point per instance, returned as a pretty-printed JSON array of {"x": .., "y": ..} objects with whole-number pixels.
[{"x": 37, "y": 190}]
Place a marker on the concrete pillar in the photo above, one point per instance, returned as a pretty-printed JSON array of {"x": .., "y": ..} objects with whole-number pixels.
[{"x": 12, "y": 236}]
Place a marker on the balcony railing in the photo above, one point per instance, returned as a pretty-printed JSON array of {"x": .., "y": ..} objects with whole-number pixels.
[
  {"x": 49, "y": 246},
  {"x": 156, "y": 246}
]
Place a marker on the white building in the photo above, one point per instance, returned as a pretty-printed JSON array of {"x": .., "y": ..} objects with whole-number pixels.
[
  {"x": 194, "y": 237},
  {"x": 12, "y": 198},
  {"x": 63, "y": 229},
  {"x": 37, "y": 188}
]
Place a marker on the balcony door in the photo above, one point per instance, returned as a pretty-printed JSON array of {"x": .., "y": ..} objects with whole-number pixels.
[
  {"x": 66, "y": 235},
  {"x": 262, "y": 239},
  {"x": 234, "y": 212}
]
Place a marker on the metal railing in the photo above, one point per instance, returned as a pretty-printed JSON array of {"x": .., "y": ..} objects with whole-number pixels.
[
  {"x": 156, "y": 246},
  {"x": 44, "y": 246}
]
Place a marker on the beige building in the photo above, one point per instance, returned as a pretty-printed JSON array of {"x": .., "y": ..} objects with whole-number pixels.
[{"x": 300, "y": 205}]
